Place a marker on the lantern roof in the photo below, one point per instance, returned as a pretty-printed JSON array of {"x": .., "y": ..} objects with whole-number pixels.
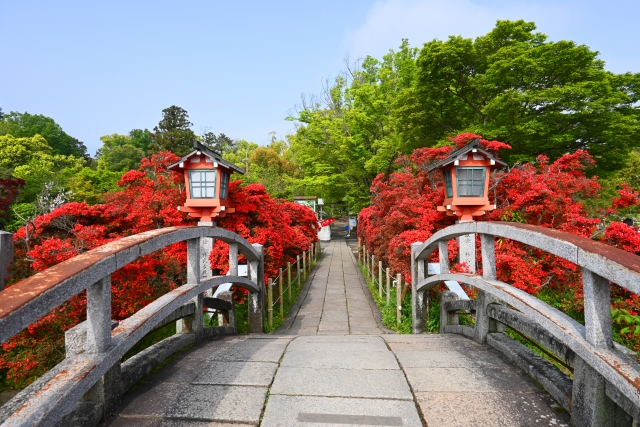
[
  {"x": 213, "y": 155},
  {"x": 473, "y": 146}
]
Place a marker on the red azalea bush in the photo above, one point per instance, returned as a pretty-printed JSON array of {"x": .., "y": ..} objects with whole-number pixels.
[
  {"x": 403, "y": 211},
  {"x": 148, "y": 200}
]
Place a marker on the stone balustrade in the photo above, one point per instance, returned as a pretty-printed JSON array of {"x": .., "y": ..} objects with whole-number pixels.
[
  {"x": 86, "y": 386},
  {"x": 605, "y": 388}
]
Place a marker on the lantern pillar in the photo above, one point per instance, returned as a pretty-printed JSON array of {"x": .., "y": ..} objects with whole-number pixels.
[{"x": 467, "y": 249}]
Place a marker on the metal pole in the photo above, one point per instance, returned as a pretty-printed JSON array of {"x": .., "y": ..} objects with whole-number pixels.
[
  {"x": 280, "y": 294},
  {"x": 399, "y": 297},
  {"x": 289, "y": 279},
  {"x": 304, "y": 262},
  {"x": 373, "y": 273},
  {"x": 270, "y": 302},
  {"x": 298, "y": 268}
]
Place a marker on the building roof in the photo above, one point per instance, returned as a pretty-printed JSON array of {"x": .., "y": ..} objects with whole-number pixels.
[
  {"x": 215, "y": 156},
  {"x": 456, "y": 155}
]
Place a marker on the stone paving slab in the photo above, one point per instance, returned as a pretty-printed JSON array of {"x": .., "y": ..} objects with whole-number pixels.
[
  {"x": 151, "y": 400},
  {"x": 450, "y": 359},
  {"x": 333, "y": 359},
  {"x": 465, "y": 379},
  {"x": 384, "y": 384},
  {"x": 160, "y": 422},
  {"x": 236, "y": 373},
  {"x": 333, "y": 342},
  {"x": 219, "y": 403},
  {"x": 253, "y": 351},
  {"x": 490, "y": 409},
  {"x": 287, "y": 411}
]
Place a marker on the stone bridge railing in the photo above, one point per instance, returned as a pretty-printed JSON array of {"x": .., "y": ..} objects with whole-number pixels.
[
  {"x": 86, "y": 386},
  {"x": 605, "y": 389}
]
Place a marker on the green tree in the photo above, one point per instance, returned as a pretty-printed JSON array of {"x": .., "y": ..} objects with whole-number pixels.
[
  {"x": 42, "y": 169},
  {"x": 118, "y": 153},
  {"x": 513, "y": 85},
  {"x": 220, "y": 143},
  {"x": 24, "y": 125},
  {"x": 272, "y": 166},
  {"x": 91, "y": 185},
  {"x": 16, "y": 152},
  {"x": 174, "y": 133},
  {"x": 347, "y": 136}
]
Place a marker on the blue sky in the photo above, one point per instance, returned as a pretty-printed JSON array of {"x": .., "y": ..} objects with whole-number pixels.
[{"x": 239, "y": 67}]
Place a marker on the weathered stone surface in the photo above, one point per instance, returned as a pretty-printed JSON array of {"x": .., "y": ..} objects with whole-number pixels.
[
  {"x": 137, "y": 367},
  {"x": 468, "y": 380},
  {"x": 506, "y": 409},
  {"x": 449, "y": 359},
  {"x": 554, "y": 381},
  {"x": 236, "y": 373},
  {"x": 336, "y": 342},
  {"x": 285, "y": 411},
  {"x": 253, "y": 351},
  {"x": 220, "y": 403},
  {"x": 334, "y": 359},
  {"x": 341, "y": 383}
]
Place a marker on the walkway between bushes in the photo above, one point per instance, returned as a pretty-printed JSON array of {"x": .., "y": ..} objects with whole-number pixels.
[
  {"x": 336, "y": 301},
  {"x": 332, "y": 364}
]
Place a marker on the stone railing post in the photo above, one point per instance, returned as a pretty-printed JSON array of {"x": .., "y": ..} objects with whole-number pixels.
[
  {"x": 107, "y": 390},
  {"x": 484, "y": 324},
  {"x": 193, "y": 324},
  {"x": 467, "y": 250},
  {"x": 419, "y": 299},
  {"x": 447, "y": 318},
  {"x": 256, "y": 299},
  {"x": 223, "y": 319},
  {"x": 6, "y": 256},
  {"x": 230, "y": 317},
  {"x": 590, "y": 404}
]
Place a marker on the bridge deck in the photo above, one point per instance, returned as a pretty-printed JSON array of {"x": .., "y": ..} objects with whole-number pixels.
[{"x": 333, "y": 364}]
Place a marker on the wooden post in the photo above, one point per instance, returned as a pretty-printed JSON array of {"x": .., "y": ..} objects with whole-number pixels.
[
  {"x": 399, "y": 297},
  {"x": 270, "y": 302},
  {"x": 289, "y": 279},
  {"x": 372, "y": 272},
  {"x": 298, "y": 268},
  {"x": 281, "y": 294},
  {"x": 388, "y": 286},
  {"x": 380, "y": 279},
  {"x": 304, "y": 262}
]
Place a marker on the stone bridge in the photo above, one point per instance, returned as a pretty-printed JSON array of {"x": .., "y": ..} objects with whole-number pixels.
[{"x": 332, "y": 362}]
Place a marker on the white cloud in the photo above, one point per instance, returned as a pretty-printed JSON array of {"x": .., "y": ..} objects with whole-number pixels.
[{"x": 389, "y": 21}]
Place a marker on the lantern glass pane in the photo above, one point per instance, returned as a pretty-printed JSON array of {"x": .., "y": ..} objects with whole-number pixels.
[
  {"x": 447, "y": 184},
  {"x": 470, "y": 182},
  {"x": 224, "y": 184},
  {"x": 202, "y": 184}
]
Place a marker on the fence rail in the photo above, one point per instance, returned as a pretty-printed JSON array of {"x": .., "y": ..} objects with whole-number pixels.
[
  {"x": 606, "y": 383},
  {"x": 369, "y": 262},
  {"x": 303, "y": 267}
]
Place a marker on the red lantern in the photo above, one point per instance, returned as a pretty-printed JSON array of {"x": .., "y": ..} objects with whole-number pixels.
[
  {"x": 466, "y": 181},
  {"x": 206, "y": 176}
]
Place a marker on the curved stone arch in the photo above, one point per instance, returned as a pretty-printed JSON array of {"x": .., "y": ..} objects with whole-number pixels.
[
  {"x": 28, "y": 300},
  {"x": 609, "y": 363},
  {"x": 601, "y": 363},
  {"x": 82, "y": 371},
  {"x": 616, "y": 265}
]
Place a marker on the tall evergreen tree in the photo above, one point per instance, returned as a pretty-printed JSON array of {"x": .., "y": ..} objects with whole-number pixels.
[{"x": 174, "y": 133}]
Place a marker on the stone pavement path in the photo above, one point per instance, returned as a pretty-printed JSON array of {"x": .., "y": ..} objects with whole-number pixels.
[
  {"x": 336, "y": 367},
  {"x": 336, "y": 301}
]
